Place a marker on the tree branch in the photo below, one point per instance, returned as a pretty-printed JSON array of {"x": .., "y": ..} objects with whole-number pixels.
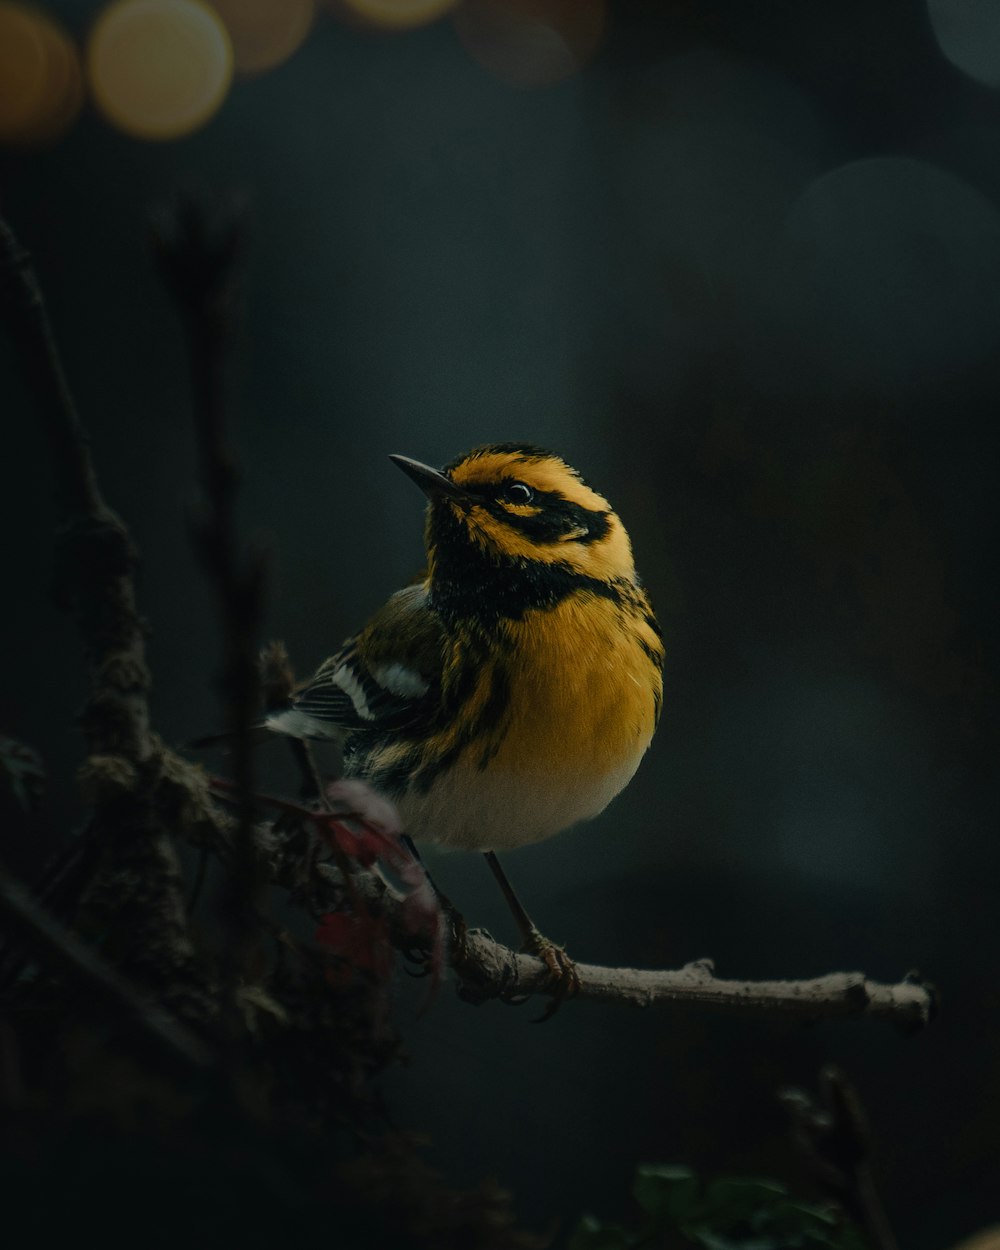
[
  {"x": 487, "y": 969},
  {"x": 198, "y": 244},
  {"x": 907, "y": 1003}
]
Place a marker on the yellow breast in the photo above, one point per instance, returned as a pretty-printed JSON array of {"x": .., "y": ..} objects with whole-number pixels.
[
  {"x": 565, "y": 718},
  {"x": 583, "y": 692}
]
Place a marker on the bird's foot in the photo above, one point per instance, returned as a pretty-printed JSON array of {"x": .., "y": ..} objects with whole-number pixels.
[
  {"x": 564, "y": 981},
  {"x": 456, "y": 929}
]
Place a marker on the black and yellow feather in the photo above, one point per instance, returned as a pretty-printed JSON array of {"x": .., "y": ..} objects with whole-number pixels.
[{"x": 514, "y": 688}]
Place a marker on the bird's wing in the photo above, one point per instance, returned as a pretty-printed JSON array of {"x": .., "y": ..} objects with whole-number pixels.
[{"x": 385, "y": 678}]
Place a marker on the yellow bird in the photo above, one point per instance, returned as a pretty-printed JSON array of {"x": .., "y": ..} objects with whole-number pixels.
[{"x": 511, "y": 691}]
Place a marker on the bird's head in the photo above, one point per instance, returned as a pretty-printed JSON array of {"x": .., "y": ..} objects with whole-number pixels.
[{"x": 515, "y": 505}]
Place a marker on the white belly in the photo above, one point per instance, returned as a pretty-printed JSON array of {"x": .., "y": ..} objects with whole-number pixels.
[{"x": 467, "y": 809}]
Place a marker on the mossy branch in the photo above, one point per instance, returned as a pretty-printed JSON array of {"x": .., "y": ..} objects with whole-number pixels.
[{"x": 137, "y": 895}]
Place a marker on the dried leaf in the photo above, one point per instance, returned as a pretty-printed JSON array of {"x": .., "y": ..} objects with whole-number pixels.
[{"x": 360, "y": 942}]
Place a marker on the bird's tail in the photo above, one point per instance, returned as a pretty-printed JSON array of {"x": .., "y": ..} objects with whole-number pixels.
[{"x": 289, "y": 722}]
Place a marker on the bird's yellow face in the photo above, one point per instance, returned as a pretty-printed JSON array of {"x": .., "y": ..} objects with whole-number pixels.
[{"x": 517, "y": 502}]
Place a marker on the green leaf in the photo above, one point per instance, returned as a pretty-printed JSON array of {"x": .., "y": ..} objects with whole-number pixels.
[
  {"x": 850, "y": 1239},
  {"x": 592, "y": 1234},
  {"x": 796, "y": 1213},
  {"x": 728, "y": 1213},
  {"x": 669, "y": 1195},
  {"x": 801, "y": 1223},
  {"x": 720, "y": 1241},
  {"x": 732, "y": 1198}
]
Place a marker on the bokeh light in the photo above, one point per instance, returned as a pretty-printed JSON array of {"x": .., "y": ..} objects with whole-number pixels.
[
  {"x": 707, "y": 169},
  {"x": 988, "y": 1239},
  {"x": 264, "y": 33},
  {"x": 390, "y": 14},
  {"x": 710, "y": 150},
  {"x": 968, "y": 33},
  {"x": 887, "y": 278},
  {"x": 531, "y": 43},
  {"x": 41, "y": 82},
  {"x": 159, "y": 69}
]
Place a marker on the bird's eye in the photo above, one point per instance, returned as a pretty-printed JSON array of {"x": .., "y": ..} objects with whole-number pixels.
[{"x": 518, "y": 492}]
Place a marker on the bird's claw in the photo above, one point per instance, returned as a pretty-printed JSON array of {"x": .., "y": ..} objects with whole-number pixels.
[{"x": 564, "y": 980}]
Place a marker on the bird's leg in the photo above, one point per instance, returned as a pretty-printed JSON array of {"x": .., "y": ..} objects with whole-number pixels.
[{"x": 564, "y": 978}]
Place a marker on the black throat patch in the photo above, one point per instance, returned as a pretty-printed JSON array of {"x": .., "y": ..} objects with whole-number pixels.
[{"x": 470, "y": 583}]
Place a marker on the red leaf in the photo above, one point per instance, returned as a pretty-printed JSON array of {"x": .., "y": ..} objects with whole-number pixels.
[
  {"x": 360, "y": 942},
  {"x": 365, "y": 826}
]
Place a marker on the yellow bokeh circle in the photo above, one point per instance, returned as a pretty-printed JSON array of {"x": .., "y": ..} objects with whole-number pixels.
[
  {"x": 988, "y": 1239},
  {"x": 531, "y": 43},
  {"x": 390, "y": 14},
  {"x": 41, "y": 83},
  {"x": 159, "y": 69},
  {"x": 264, "y": 33}
]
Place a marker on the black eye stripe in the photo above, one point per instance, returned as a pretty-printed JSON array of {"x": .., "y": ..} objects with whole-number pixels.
[{"x": 556, "y": 518}]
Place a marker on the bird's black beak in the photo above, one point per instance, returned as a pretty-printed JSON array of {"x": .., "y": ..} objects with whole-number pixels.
[{"x": 432, "y": 482}]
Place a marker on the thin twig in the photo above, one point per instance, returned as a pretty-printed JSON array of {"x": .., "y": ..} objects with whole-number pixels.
[
  {"x": 834, "y": 1134},
  {"x": 95, "y": 557},
  {"x": 199, "y": 245},
  {"x": 23, "y": 307}
]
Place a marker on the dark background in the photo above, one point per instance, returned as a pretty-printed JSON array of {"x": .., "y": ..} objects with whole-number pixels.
[{"x": 744, "y": 272}]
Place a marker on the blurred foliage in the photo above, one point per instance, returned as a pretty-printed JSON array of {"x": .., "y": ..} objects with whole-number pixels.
[
  {"x": 727, "y": 1213},
  {"x": 21, "y": 773}
]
